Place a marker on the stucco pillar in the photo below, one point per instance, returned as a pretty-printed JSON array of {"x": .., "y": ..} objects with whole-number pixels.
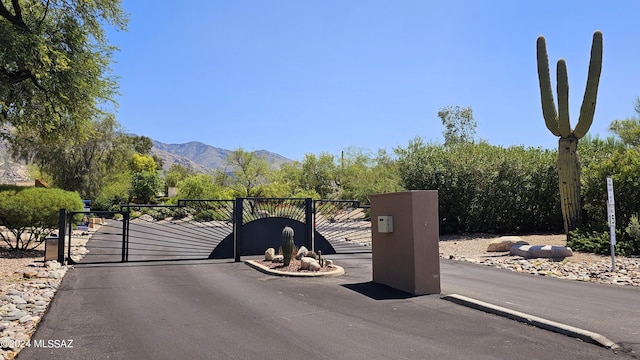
[{"x": 407, "y": 258}]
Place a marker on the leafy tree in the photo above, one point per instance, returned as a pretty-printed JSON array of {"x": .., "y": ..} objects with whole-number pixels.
[
  {"x": 628, "y": 130},
  {"x": 202, "y": 186},
  {"x": 177, "y": 173},
  {"x": 249, "y": 171},
  {"x": 81, "y": 163},
  {"x": 145, "y": 186},
  {"x": 116, "y": 191},
  {"x": 459, "y": 124},
  {"x": 141, "y": 144},
  {"x": 363, "y": 175},
  {"x": 140, "y": 162},
  {"x": 319, "y": 174},
  {"x": 54, "y": 72},
  {"x": 31, "y": 214}
]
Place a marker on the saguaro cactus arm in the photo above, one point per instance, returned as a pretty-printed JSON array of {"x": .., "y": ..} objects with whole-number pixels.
[
  {"x": 546, "y": 94},
  {"x": 564, "y": 127},
  {"x": 588, "y": 107}
]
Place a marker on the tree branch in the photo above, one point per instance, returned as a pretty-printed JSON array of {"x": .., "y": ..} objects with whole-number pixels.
[
  {"x": 14, "y": 19},
  {"x": 44, "y": 16}
]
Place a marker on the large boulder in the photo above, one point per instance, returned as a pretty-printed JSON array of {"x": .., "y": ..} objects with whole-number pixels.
[
  {"x": 504, "y": 243},
  {"x": 541, "y": 251}
]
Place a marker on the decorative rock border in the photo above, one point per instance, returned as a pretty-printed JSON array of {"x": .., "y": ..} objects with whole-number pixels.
[{"x": 336, "y": 271}]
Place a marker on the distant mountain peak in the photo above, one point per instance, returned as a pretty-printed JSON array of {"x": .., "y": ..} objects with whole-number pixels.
[{"x": 204, "y": 158}]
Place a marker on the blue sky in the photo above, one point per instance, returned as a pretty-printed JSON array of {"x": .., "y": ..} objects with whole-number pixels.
[{"x": 309, "y": 76}]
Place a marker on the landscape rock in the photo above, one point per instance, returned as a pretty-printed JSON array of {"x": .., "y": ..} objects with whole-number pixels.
[
  {"x": 314, "y": 266},
  {"x": 541, "y": 251},
  {"x": 269, "y": 254},
  {"x": 307, "y": 263},
  {"x": 505, "y": 243},
  {"x": 302, "y": 252},
  {"x": 328, "y": 262},
  {"x": 278, "y": 259}
]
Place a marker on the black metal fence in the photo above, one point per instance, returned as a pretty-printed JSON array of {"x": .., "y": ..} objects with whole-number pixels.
[{"x": 217, "y": 229}]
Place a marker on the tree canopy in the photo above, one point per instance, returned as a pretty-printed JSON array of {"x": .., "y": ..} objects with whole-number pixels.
[
  {"x": 460, "y": 126},
  {"x": 54, "y": 64}
]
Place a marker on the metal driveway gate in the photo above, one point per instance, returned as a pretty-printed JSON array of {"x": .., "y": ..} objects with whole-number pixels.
[
  {"x": 345, "y": 224},
  {"x": 191, "y": 230},
  {"x": 219, "y": 229}
]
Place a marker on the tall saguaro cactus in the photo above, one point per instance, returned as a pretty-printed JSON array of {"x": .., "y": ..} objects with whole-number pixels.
[{"x": 558, "y": 123}]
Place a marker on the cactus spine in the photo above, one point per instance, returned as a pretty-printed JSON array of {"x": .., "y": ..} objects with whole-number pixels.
[
  {"x": 558, "y": 123},
  {"x": 287, "y": 244}
]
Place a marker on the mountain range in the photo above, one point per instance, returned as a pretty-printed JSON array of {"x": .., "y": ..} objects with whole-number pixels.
[
  {"x": 204, "y": 158},
  {"x": 200, "y": 157}
]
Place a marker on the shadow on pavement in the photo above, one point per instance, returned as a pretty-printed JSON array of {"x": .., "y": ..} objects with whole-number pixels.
[{"x": 378, "y": 291}]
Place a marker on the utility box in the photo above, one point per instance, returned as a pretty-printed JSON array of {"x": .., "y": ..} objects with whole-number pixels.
[
  {"x": 51, "y": 248},
  {"x": 385, "y": 224},
  {"x": 407, "y": 257}
]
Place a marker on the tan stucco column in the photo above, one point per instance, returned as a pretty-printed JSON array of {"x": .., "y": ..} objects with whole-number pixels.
[{"x": 406, "y": 258}]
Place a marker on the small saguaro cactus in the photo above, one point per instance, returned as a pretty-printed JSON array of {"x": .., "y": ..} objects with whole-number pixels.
[
  {"x": 558, "y": 123},
  {"x": 287, "y": 245}
]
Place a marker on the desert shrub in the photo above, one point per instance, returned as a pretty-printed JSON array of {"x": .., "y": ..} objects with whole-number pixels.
[
  {"x": 212, "y": 215},
  {"x": 485, "y": 188},
  {"x": 623, "y": 166},
  {"x": 599, "y": 242},
  {"x": 590, "y": 241},
  {"x": 31, "y": 214},
  {"x": 155, "y": 213},
  {"x": 631, "y": 242}
]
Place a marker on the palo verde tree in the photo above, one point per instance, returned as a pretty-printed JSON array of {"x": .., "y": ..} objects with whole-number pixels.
[
  {"x": 628, "y": 130},
  {"x": 54, "y": 65},
  {"x": 459, "y": 124},
  {"x": 249, "y": 172},
  {"x": 557, "y": 121}
]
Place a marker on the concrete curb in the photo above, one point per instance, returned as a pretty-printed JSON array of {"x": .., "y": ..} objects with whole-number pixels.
[
  {"x": 584, "y": 335},
  {"x": 337, "y": 271}
]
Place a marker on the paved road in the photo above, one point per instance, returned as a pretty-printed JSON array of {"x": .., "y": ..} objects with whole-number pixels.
[
  {"x": 224, "y": 310},
  {"x": 610, "y": 310}
]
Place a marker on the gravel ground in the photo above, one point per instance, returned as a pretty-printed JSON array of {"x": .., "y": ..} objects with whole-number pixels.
[{"x": 580, "y": 266}]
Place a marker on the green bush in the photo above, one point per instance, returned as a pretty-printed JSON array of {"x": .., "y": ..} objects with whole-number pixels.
[
  {"x": 213, "y": 215},
  {"x": 598, "y": 240},
  {"x": 623, "y": 166},
  {"x": 485, "y": 188},
  {"x": 590, "y": 241},
  {"x": 31, "y": 214},
  {"x": 631, "y": 242}
]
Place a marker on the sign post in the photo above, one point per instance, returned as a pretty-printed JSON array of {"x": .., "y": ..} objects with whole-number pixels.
[{"x": 611, "y": 214}]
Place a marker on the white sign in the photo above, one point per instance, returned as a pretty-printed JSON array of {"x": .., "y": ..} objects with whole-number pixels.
[
  {"x": 611, "y": 204},
  {"x": 611, "y": 215},
  {"x": 610, "y": 191}
]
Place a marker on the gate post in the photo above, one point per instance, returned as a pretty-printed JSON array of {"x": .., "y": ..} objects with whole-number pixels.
[
  {"x": 62, "y": 225},
  {"x": 125, "y": 235},
  {"x": 237, "y": 228},
  {"x": 309, "y": 225}
]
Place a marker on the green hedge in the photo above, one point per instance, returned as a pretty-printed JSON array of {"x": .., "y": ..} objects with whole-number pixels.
[
  {"x": 485, "y": 188},
  {"x": 30, "y": 214}
]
